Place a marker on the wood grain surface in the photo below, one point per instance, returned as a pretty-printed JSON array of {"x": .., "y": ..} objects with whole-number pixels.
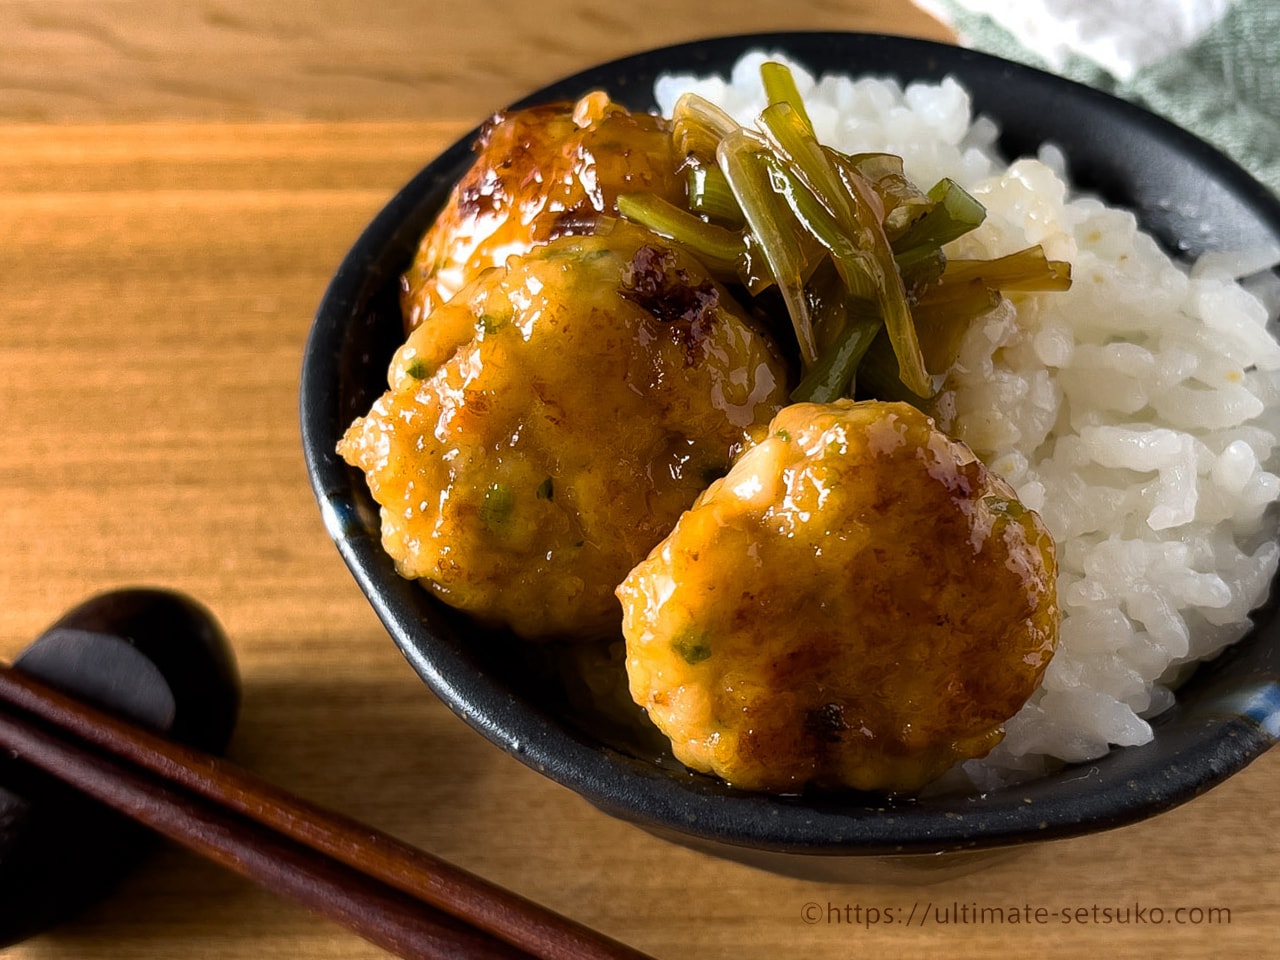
[
  {"x": 340, "y": 59},
  {"x": 177, "y": 183}
]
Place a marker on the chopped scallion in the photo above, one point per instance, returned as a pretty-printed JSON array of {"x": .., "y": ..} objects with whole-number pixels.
[
  {"x": 1024, "y": 270},
  {"x": 699, "y": 126},
  {"x": 741, "y": 158},
  {"x": 496, "y": 506},
  {"x": 780, "y": 87},
  {"x": 954, "y": 213},
  {"x": 832, "y": 376},
  {"x": 710, "y": 194},
  {"x": 721, "y": 251}
]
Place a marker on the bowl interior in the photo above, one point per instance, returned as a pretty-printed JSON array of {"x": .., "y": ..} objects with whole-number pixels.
[{"x": 1183, "y": 192}]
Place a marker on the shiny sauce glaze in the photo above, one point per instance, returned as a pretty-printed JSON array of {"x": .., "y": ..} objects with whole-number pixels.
[
  {"x": 540, "y": 173},
  {"x": 549, "y": 423},
  {"x": 858, "y": 604}
]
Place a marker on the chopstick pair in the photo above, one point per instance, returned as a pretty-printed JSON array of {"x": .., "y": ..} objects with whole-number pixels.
[{"x": 396, "y": 896}]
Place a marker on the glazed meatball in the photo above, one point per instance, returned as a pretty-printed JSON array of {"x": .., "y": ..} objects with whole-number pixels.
[
  {"x": 552, "y": 421},
  {"x": 540, "y": 173},
  {"x": 858, "y": 603}
]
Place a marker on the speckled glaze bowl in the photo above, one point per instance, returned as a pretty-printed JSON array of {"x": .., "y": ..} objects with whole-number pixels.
[{"x": 1184, "y": 192}]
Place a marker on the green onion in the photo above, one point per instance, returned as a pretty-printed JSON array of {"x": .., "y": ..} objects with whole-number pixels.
[
  {"x": 857, "y": 271},
  {"x": 693, "y": 648},
  {"x": 780, "y": 87},
  {"x": 496, "y": 507},
  {"x": 903, "y": 201},
  {"x": 790, "y": 134},
  {"x": 878, "y": 374},
  {"x": 741, "y": 158},
  {"x": 832, "y": 377},
  {"x": 829, "y": 303},
  {"x": 850, "y": 198},
  {"x": 699, "y": 126},
  {"x": 854, "y": 248},
  {"x": 721, "y": 251},
  {"x": 951, "y": 213},
  {"x": 920, "y": 268},
  {"x": 954, "y": 214},
  {"x": 710, "y": 193},
  {"x": 943, "y": 319},
  {"x": 970, "y": 288},
  {"x": 1024, "y": 270}
]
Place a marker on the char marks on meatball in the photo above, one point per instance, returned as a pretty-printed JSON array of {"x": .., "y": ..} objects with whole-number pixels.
[{"x": 540, "y": 173}]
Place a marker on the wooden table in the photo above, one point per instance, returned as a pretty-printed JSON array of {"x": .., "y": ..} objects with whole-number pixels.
[{"x": 177, "y": 183}]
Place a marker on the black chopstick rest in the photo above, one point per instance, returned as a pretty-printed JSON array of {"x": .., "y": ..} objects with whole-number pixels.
[{"x": 151, "y": 656}]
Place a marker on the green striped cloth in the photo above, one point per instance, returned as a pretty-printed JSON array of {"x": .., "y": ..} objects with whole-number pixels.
[{"x": 1220, "y": 78}]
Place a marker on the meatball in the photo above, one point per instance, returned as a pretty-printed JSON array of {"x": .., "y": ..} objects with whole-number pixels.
[
  {"x": 541, "y": 172},
  {"x": 858, "y": 604},
  {"x": 553, "y": 420}
]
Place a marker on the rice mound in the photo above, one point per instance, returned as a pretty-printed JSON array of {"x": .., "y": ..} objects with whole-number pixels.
[{"x": 1138, "y": 412}]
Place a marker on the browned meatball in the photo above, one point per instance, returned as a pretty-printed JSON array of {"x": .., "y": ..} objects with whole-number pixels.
[
  {"x": 540, "y": 173},
  {"x": 551, "y": 422},
  {"x": 858, "y": 603}
]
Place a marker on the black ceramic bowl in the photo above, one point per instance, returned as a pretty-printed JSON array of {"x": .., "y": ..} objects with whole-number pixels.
[{"x": 1185, "y": 193}]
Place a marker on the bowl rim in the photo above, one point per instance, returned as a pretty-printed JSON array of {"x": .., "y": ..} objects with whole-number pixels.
[{"x": 1224, "y": 733}]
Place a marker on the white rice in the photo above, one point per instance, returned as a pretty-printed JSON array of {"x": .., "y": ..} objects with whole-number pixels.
[{"x": 1138, "y": 413}]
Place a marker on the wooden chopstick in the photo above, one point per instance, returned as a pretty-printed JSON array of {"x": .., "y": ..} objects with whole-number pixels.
[
  {"x": 401, "y": 898},
  {"x": 371, "y": 909}
]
